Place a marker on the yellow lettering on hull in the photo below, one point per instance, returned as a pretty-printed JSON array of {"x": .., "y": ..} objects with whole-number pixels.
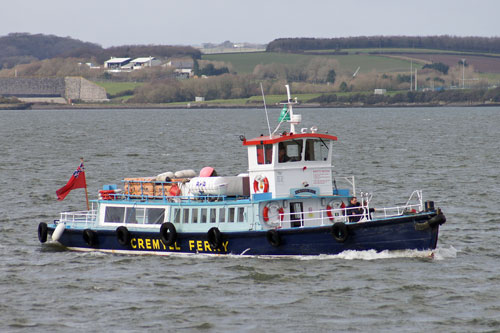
[{"x": 198, "y": 246}]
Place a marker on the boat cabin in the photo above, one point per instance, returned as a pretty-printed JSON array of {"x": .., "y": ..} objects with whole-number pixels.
[{"x": 290, "y": 165}]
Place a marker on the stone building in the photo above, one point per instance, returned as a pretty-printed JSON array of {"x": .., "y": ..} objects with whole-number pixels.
[{"x": 52, "y": 90}]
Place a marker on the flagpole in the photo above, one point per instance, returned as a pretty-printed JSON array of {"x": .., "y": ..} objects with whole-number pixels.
[{"x": 86, "y": 193}]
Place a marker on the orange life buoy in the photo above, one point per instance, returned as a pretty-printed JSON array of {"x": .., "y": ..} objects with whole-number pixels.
[
  {"x": 261, "y": 184},
  {"x": 107, "y": 194},
  {"x": 334, "y": 205},
  {"x": 274, "y": 209}
]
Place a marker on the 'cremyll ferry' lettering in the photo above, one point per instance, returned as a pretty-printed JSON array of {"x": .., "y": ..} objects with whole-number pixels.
[
  {"x": 204, "y": 246},
  {"x": 152, "y": 244}
]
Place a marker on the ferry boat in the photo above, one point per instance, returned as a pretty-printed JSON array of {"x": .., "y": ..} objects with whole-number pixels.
[{"x": 287, "y": 203}]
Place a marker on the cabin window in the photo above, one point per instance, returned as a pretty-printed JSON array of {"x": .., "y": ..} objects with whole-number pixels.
[
  {"x": 222, "y": 215},
  {"x": 194, "y": 216},
  {"x": 114, "y": 214},
  {"x": 203, "y": 216},
  {"x": 290, "y": 151},
  {"x": 185, "y": 217},
  {"x": 264, "y": 154},
  {"x": 213, "y": 216},
  {"x": 316, "y": 150},
  {"x": 241, "y": 214},
  {"x": 177, "y": 215},
  {"x": 231, "y": 215},
  {"x": 155, "y": 215},
  {"x": 131, "y": 215}
]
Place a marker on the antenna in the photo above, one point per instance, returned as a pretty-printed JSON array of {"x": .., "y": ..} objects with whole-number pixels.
[{"x": 265, "y": 108}]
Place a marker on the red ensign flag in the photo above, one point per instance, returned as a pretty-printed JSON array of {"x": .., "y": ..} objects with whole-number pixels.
[{"x": 77, "y": 180}]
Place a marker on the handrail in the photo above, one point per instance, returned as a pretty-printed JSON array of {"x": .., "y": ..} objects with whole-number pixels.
[
  {"x": 80, "y": 217},
  {"x": 327, "y": 217}
]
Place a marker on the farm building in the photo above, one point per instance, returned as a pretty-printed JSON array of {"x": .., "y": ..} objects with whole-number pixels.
[
  {"x": 182, "y": 66},
  {"x": 116, "y": 63},
  {"x": 143, "y": 62}
]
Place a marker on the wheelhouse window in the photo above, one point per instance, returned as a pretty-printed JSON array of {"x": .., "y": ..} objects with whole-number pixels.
[
  {"x": 264, "y": 154},
  {"x": 290, "y": 151},
  {"x": 316, "y": 150}
]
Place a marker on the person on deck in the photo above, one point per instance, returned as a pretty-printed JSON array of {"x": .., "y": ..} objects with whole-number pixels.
[{"x": 354, "y": 210}]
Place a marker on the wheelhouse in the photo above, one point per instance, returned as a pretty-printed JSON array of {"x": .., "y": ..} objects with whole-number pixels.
[{"x": 280, "y": 165}]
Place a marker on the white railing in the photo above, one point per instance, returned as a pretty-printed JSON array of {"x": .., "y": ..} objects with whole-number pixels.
[
  {"x": 346, "y": 215},
  {"x": 87, "y": 217}
]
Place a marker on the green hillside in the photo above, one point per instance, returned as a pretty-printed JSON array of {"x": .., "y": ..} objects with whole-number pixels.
[{"x": 244, "y": 63}]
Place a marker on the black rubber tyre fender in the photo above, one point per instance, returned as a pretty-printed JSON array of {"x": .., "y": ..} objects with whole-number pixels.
[
  {"x": 123, "y": 235},
  {"x": 214, "y": 237},
  {"x": 340, "y": 232},
  {"x": 273, "y": 237},
  {"x": 168, "y": 234},
  {"x": 90, "y": 237},
  {"x": 42, "y": 232},
  {"x": 439, "y": 219}
]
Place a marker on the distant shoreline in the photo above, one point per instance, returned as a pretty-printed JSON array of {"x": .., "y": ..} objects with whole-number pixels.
[{"x": 241, "y": 106}]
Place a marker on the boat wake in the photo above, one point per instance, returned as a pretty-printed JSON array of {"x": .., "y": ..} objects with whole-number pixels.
[{"x": 437, "y": 254}]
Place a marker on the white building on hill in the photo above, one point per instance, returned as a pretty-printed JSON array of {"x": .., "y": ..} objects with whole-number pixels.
[{"x": 116, "y": 63}]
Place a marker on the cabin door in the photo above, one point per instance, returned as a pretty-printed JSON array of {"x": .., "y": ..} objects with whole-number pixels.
[{"x": 296, "y": 214}]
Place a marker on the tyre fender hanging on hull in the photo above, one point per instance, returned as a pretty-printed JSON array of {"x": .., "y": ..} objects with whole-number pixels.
[{"x": 439, "y": 219}]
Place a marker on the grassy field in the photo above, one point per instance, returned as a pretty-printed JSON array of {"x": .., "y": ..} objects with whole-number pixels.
[
  {"x": 245, "y": 62},
  {"x": 402, "y": 50}
]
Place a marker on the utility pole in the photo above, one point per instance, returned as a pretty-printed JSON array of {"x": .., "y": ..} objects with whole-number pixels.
[
  {"x": 463, "y": 73},
  {"x": 411, "y": 75},
  {"x": 416, "y": 85}
]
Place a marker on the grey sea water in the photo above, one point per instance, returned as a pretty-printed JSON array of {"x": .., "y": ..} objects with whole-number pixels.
[{"x": 450, "y": 153}]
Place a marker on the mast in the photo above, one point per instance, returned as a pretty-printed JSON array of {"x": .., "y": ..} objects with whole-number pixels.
[{"x": 294, "y": 119}]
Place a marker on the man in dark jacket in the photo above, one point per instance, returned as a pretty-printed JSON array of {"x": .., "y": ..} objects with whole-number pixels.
[{"x": 354, "y": 210}]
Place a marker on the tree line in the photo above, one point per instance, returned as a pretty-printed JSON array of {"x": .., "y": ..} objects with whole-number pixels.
[
  {"x": 24, "y": 48},
  {"x": 413, "y": 97},
  {"x": 445, "y": 42}
]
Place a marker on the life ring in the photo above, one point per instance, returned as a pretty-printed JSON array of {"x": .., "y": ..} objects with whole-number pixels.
[
  {"x": 42, "y": 232},
  {"x": 333, "y": 212},
  {"x": 123, "y": 235},
  {"x": 90, "y": 237},
  {"x": 168, "y": 234},
  {"x": 214, "y": 237},
  {"x": 273, "y": 237},
  {"x": 107, "y": 194},
  {"x": 273, "y": 212},
  {"x": 261, "y": 184},
  {"x": 340, "y": 232}
]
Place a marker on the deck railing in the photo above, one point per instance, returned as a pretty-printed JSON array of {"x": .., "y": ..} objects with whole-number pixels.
[
  {"x": 346, "y": 215},
  {"x": 87, "y": 217}
]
